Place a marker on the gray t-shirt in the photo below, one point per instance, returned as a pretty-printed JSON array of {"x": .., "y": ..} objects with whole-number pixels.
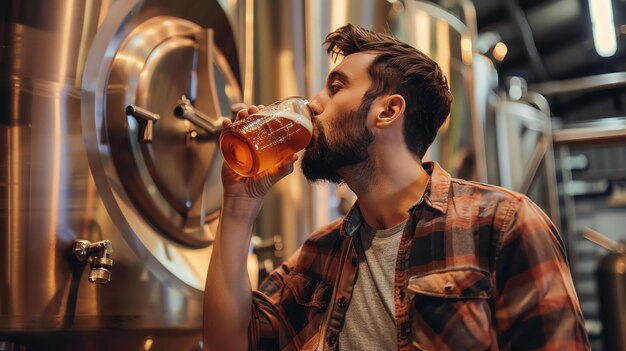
[{"x": 370, "y": 318}]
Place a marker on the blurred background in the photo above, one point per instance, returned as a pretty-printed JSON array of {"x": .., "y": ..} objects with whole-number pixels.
[{"x": 109, "y": 166}]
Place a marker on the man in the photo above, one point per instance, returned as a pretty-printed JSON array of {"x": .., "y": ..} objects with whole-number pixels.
[{"x": 422, "y": 261}]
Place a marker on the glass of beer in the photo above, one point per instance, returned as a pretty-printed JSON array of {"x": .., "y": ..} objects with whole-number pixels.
[{"x": 264, "y": 139}]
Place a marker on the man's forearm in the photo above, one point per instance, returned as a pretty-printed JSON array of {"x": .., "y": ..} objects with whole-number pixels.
[{"x": 228, "y": 294}]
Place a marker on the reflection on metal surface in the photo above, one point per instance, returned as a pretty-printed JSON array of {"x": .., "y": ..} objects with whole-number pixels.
[
  {"x": 58, "y": 56},
  {"x": 98, "y": 255}
]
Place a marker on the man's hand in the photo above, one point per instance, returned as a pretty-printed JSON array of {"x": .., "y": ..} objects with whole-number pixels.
[
  {"x": 255, "y": 187},
  {"x": 227, "y": 302}
]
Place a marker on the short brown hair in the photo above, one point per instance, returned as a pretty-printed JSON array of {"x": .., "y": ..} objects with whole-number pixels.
[{"x": 400, "y": 69}]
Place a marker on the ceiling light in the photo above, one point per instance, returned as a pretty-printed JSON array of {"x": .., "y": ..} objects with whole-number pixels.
[{"x": 603, "y": 27}]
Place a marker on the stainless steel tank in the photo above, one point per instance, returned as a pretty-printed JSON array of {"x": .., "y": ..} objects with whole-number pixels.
[
  {"x": 611, "y": 279},
  {"x": 611, "y": 275},
  {"x": 90, "y": 149}
]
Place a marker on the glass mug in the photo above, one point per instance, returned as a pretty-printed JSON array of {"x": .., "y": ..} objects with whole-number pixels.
[{"x": 264, "y": 139}]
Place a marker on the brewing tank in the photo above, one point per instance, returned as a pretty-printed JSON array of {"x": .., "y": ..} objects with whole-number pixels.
[
  {"x": 611, "y": 275},
  {"x": 99, "y": 179}
]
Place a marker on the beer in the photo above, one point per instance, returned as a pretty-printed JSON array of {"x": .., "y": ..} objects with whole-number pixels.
[{"x": 264, "y": 139}]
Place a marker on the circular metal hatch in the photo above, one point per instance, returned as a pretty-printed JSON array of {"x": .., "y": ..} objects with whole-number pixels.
[
  {"x": 163, "y": 192},
  {"x": 158, "y": 63}
]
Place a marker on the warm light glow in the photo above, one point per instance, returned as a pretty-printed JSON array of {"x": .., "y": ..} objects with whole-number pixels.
[
  {"x": 422, "y": 23},
  {"x": 338, "y": 18},
  {"x": 442, "y": 35},
  {"x": 466, "y": 50},
  {"x": 287, "y": 85},
  {"x": 603, "y": 27},
  {"x": 147, "y": 345},
  {"x": 499, "y": 51},
  {"x": 338, "y": 13}
]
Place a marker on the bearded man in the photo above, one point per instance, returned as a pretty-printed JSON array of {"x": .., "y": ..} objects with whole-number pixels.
[{"x": 422, "y": 261}]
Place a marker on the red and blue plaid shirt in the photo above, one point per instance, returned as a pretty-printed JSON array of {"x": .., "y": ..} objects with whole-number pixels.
[{"x": 478, "y": 268}]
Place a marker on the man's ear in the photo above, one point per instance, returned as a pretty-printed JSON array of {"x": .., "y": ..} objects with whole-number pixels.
[{"x": 391, "y": 110}]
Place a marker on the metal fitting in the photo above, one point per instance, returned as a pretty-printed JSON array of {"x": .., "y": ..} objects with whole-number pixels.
[{"x": 98, "y": 256}]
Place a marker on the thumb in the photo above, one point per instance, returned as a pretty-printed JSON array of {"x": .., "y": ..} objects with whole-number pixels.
[{"x": 264, "y": 184}]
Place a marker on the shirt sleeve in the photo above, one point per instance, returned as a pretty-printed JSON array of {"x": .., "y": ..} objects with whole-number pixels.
[
  {"x": 536, "y": 306},
  {"x": 263, "y": 330}
]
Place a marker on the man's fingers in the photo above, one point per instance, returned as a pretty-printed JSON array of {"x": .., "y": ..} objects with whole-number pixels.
[
  {"x": 240, "y": 111},
  {"x": 252, "y": 109},
  {"x": 226, "y": 122},
  {"x": 243, "y": 113}
]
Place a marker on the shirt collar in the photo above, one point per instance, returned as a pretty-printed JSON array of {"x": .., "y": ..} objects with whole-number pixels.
[
  {"x": 352, "y": 222},
  {"x": 435, "y": 196}
]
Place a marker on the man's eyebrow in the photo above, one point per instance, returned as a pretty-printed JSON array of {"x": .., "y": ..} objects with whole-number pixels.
[{"x": 337, "y": 75}]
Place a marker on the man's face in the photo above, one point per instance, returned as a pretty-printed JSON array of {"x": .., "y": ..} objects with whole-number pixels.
[{"x": 341, "y": 136}]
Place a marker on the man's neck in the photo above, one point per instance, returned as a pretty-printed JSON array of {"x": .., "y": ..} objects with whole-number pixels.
[{"x": 385, "y": 193}]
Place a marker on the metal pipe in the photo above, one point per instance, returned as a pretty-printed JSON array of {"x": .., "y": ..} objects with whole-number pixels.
[
  {"x": 186, "y": 111},
  {"x": 146, "y": 120},
  {"x": 609, "y": 130},
  {"x": 602, "y": 240}
]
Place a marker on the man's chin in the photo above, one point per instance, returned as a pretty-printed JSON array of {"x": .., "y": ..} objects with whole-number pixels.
[
  {"x": 317, "y": 172},
  {"x": 335, "y": 179}
]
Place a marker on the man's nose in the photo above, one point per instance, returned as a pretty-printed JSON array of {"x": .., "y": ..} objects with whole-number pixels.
[{"x": 315, "y": 105}]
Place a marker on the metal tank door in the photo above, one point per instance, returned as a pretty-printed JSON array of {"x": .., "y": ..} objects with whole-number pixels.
[{"x": 154, "y": 90}]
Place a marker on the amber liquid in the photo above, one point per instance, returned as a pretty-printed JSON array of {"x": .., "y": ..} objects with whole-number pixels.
[{"x": 259, "y": 142}]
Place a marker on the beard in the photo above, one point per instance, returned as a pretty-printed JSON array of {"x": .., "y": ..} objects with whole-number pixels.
[{"x": 323, "y": 159}]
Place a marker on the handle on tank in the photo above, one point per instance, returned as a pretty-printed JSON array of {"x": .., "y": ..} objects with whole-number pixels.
[
  {"x": 146, "y": 120},
  {"x": 186, "y": 110}
]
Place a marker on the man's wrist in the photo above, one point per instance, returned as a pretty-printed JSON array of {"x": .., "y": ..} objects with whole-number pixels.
[{"x": 241, "y": 205}]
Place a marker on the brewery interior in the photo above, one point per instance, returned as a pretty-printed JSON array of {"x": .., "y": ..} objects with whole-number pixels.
[{"x": 110, "y": 200}]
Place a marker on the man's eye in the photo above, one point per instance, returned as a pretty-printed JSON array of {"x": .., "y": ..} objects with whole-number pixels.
[{"x": 334, "y": 88}]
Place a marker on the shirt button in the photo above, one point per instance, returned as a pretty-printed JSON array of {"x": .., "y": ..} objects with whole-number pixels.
[
  {"x": 342, "y": 302},
  {"x": 405, "y": 330},
  {"x": 401, "y": 295},
  {"x": 331, "y": 340}
]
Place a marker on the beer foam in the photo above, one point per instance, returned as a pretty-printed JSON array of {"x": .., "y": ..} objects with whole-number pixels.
[{"x": 295, "y": 117}]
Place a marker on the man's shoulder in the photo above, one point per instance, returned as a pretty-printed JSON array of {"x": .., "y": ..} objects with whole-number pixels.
[
  {"x": 486, "y": 205},
  {"x": 482, "y": 192}
]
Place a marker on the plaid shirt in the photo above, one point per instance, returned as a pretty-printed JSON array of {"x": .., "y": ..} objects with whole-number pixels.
[{"x": 478, "y": 268}]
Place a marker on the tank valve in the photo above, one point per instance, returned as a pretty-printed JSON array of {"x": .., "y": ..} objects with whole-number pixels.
[
  {"x": 186, "y": 110},
  {"x": 146, "y": 120},
  {"x": 98, "y": 255}
]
